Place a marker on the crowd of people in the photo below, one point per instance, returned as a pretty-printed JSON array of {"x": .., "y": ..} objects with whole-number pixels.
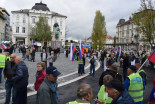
[{"x": 115, "y": 88}]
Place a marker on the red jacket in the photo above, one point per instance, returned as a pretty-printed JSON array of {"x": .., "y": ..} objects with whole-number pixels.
[{"x": 39, "y": 80}]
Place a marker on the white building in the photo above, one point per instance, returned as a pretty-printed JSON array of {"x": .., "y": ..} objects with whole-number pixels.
[
  {"x": 24, "y": 20},
  {"x": 128, "y": 35}
]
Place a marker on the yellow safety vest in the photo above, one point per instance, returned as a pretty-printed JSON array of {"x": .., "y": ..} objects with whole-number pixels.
[
  {"x": 80, "y": 61},
  {"x": 136, "y": 87},
  {"x": 75, "y": 102},
  {"x": 2, "y": 61},
  {"x": 101, "y": 96},
  {"x": 8, "y": 58}
]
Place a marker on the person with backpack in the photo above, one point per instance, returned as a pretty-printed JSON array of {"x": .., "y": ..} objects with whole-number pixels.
[{"x": 92, "y": 64}]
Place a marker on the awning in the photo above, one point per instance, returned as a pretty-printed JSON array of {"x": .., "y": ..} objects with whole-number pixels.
[
  {"x": 6, "y": 42},
  {"x": 87, "y": 46},
  {"x": 37, "y": 44}
]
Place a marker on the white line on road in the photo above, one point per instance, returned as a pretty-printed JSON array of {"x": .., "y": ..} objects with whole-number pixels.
[{"x": 62, "y": 84}]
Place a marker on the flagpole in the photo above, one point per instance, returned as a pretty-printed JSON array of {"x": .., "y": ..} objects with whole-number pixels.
[{"x": 142, "y": 65}]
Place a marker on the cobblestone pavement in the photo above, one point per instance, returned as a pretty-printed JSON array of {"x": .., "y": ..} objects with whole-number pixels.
[{"x": 63, "y": 64}]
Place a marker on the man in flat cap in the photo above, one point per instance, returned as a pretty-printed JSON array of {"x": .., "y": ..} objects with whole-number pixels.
[
  {"x": 116, "y": 91},
  {"x": 47, "y": 93}
]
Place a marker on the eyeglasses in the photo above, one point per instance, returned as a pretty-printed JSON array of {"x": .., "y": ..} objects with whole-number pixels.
[{"x": 38, "y": 66}]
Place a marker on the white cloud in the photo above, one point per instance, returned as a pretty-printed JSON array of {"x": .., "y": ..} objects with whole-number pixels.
[{"x": 81, "y": 13}]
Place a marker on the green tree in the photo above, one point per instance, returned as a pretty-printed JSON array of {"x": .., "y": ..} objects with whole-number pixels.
[
  {"x": 145, "y": 20},
  {"x": 99, "y": 32},
  {"x": 42, "y": 31}
]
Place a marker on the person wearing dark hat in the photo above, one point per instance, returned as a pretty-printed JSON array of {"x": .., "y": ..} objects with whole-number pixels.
[
  {"x": 116, "y": 91},
  {"x": 47, "y": 93},
  {"x": 135, "y": 85},
  {"x": 141, "y": 71}
]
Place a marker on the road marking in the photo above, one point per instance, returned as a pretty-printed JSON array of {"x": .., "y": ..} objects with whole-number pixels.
[
  {"x": 59, "y": 85},
  {"x": 68, "y": 82}
]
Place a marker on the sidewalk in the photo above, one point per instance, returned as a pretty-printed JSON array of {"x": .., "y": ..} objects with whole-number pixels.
[{"x": 68, "y": 92}]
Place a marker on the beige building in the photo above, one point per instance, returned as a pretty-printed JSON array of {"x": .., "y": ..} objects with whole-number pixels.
[
  {"x": 2, "y": 26},
  {"x": 128, "y": 35}
]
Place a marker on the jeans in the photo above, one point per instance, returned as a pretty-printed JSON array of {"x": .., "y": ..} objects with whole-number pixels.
[
  {"x": 27, "y": 58},
  {"x": 1, "y": 69},
  {"x": 102, "y": 63},
  {"x": 21, "y": 95},
  {"x": 9, "y": 86},
  {"x": 81, "y": 69},
  {"x": 92, "y": 66},
  {"x": 23, "y": 55}
]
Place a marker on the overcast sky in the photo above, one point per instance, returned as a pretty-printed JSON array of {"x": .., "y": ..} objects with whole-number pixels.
[{"x": 81, "y": 13}]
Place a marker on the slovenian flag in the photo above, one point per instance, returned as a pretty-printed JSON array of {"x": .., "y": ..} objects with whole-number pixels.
[
  {"x": 152, "y": 57},
  {"x": 72, "y": 50},
  {"x": 3, "y": 46},
  {"x": 119, "y": 50},
  {"x": 81, "y": 50}
]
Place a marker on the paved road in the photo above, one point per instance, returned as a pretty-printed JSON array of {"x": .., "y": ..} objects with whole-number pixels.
[
  {"x": 68, "y": 92},
  {"x": 64, "y": 65}
]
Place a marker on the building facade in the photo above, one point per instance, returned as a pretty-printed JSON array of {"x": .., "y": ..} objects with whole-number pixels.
[
  {"x": 5, "y": 25},
  {"x": 128, "y": 35},
  {"x": 24, "y": 21}
]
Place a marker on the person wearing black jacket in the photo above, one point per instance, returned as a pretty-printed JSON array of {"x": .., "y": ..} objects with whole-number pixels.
[
  {"x": 125, "y": 65},
  {"x": 21, "y": 81},
  {"x": 9, "y": 72},
  {"x": 113, "y": 71}
]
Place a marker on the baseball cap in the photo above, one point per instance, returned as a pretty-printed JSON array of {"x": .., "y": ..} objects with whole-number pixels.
[
  {"x": 133, "y": 68},
  {"x": 52, "y": 70},
  {"x": 116, "y": 84}
]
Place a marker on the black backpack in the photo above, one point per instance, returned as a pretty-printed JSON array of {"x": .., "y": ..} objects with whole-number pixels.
[{"x": 92, "y": 61}]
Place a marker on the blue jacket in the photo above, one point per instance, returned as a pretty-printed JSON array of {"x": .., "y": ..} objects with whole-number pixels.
[
  {"x": 123, "y": 98},
  {"x": 21, "y": 77},
  {"x": 42, "y": 56}
]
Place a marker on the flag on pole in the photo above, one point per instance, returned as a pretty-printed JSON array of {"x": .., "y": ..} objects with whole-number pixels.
[
  {"x": 72, "y": 50},
  {"x": 152, "y": 57},
  {"x": 55, "y": 42},
  {"x": 81, "y": 50},
  {"x": 119, "y": 50},
  {"x": 32, "y": 45},
  {"x": 3, "y": 46}
]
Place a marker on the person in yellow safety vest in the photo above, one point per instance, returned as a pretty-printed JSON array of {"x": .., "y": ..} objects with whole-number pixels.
[
  {"x": 7, "y": 55},
  {"x": 135, "y": 85},
  {"x": 143, "y": 55},
  {"x": 84, "y": 94},
  {"x": 141, "y": 72},
  {"x": 2, "y": 64},
  {"x": 81, "y": 63},
  {"x": 102, "y": 94}
]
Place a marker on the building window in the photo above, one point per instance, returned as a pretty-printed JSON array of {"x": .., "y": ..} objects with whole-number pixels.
[
  {"x": 17, "y": 29},
  {"x": 33, "y": 20},
  {"x": 23, "y": 30},
  {"x": 24, "y": 20}
]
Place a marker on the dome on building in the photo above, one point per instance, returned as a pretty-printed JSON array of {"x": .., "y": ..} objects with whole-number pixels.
[{"x": 40, "y": 6}]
